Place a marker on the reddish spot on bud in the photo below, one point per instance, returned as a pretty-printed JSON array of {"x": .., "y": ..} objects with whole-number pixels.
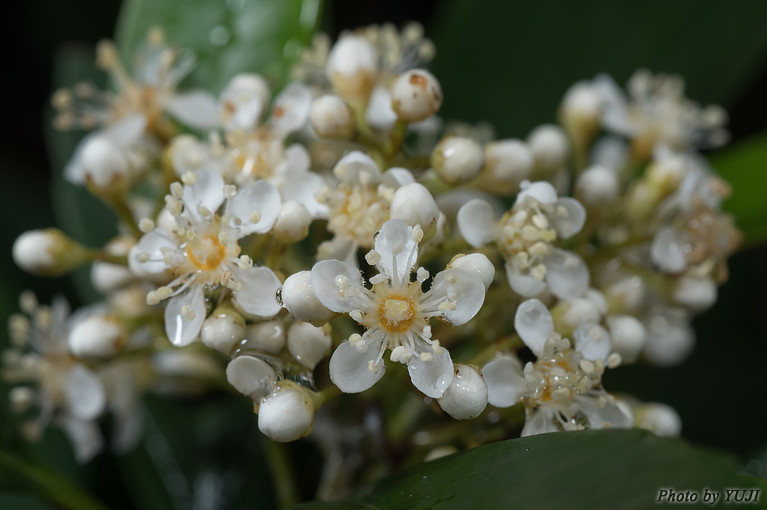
[
  {"x": 417, "y": 80},
  {"x": 278, "y": 112}
]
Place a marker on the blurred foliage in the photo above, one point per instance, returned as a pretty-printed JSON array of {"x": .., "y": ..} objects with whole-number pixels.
[{"x": 507, "y": 63}]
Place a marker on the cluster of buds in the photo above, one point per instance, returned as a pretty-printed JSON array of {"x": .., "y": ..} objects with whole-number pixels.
[{"x": 260, "y": 235}]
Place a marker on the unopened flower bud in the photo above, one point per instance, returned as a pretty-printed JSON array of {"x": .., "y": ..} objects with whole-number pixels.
[
  {"x": 626, "y": 294},
  {"x": 466, "y": 397},
  {"x": 414, "y": 204},
  {"x": 457, "y": 159},
  {"x": 223, "y": 330},
  {"x": 596, "y": 186},
  {"x": 97, "y": 336},
  {"x": 351, "y": 68},
  {"x": 698, "y": 294},
  {"x": 243, "y": 101},
  {"x": 300, "y": 300},
  {"x": 507, "y": 164},
  {"x": 251, "y": 376},
  {"x": 628, "y": 335},
  {"x": 659, "y": 418},
  {"x": 287, "y": 414},
  {"x": 581, "y": 111},
  {"x": 105, "y": 163},
  {"x": 477, "y": 264},
  {"x": 415, "y": 95},
  {"x": 129, "y": 302},
  {"x": 550, "y": 148},
  {"x": 308, "y": 344},
  {"x": 47, "y": 252},
  {"x": 292, "y": 223},
  {"x": 571, "y": 313},
  {"x": 331, "y": 117},
  {"x": 266, "y": 336},
  {"x": 106, "y": 276}
]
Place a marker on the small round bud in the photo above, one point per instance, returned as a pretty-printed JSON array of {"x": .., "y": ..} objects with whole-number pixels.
[
  {"x": 223, "y": 330},
  {"x": 187, "y": 154},
  {"x": 105, "y": 163},
  {"x": 331, "y": 117},
  {"x": 251, "y": 376},
  {"x": 107, "y": 277},
  {"x": 670, "y": 339},
  {"x": 581, "y": 110},
  {"x": 626, "y": 294},
  {"x": 243, "y": 101},
  {"x": 466, "y": 397},
  {"x": 477, "y": 264},
  {"x": 96, "y": 336},
  {"x": 300, "y": 300},
  {"x": 351, "y": 68},
  {"x": 415, "y": 95},
  {"x": 414, "y": 204},
  {"x": 597, "y": 185},
  {"x": 287, "y": 414},
  {"x": 574, "y": 312},
  {"x": 698, "y": 294},
  {"x": 266, "y": 336},
  {"x": 550, "y": 148},
  {"x": 308, "y": 344},
  {"x": 507, "y": 164},
  {"x": 129, "y": 302},
  {"x": 457, "y": 159},
  {"x": 659, "y": 418},
  {"x": 628, "y": 335},
  {"x": 21, "y": 399},
  {"x": 47, "y": 252},
  {"x": 292, "y": 223}
]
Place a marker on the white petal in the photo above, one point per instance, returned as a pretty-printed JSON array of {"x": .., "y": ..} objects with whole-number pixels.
[
  {"x": 197, "y": 109},
  {"x": 251, "y": 376},
  {"x": 179, "y": 330},
  {"x": 207, "y": 191},
  {"x": 398, "y": 250},
  {"x": 566, "y": 274},
  {"x": 152, "y": 244},
  {"x": 84, "y": 436},
  {"x": 326, "y": 277},
  {"x": 525, "y": 286},
  {"x": 85, "y": 394},
  {"x": 615, "y": 116},
  {"x": 432, "y": 377},
  {"x": 357, "y": 168},
  {"x": 350, "y": 369},
  {"x": 397, "y": 177},
  {"x": 127, "y": 130},
  {"x": 304, "y": 190},
  {"x": 601, "y": 413},
  {"x": 541, "y": 422},
  {"x": 291, "y": 109},
  {"x": 258, "y": 295},
  {"x": 533, "y": 324},
  {"x": 379, "y": 113},
  {"x": 668, "y": 250},
  {"x": 542, "y": 191},
  {"x": 571, "y": 221},
  {"x": 593, "y": 341},
  {"x": 505, "y": 381},
  {"x": 261, "y": 197},
  {"x": 477, "y": 222},
  {"x": 469, "y": 291}
]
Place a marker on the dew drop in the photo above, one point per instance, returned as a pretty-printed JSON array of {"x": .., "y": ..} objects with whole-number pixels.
[
  {"x": 219, "y": 35},
  {"x": 278, "y": 296}
]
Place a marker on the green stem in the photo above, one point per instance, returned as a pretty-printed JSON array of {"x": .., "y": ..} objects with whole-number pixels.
[
  {"x": 283, "y": 477},
  {"x": 54, "y": 487}
]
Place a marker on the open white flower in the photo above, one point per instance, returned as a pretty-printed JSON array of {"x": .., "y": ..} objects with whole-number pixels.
[
  {"x": 526, "y": 236},
  {"x": 65, "y": 391},
  {"x": 395, "y": 312},
  {"x": 658, "y": 114},
  {"x": 203, "y": 251},
  {"x": 562, "y": 389},
  {"x": 365, "y": 199}
]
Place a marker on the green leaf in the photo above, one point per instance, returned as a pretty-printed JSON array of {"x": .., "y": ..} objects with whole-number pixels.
[
  {"x": 510, "y": 63},
  {"x": 617, "y": 469},
  {"x": 744, "y": 166},
  {"x": 228, "y": 37}
]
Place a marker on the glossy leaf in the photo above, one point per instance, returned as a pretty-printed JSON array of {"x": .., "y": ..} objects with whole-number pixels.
[{"x": 617, "y": 469}]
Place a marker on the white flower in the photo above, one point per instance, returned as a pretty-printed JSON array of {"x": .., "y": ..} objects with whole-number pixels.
[
  {"x": 203, "y": 251},
  {"x": 658, "y": 114},
  {"x": 562, "y": 389},
  {"x": 395, "y": 312},
  {"x": 65, "y": 391},
  {"x": 365, "y": 199},
  {"x": 526, "y": 236}
]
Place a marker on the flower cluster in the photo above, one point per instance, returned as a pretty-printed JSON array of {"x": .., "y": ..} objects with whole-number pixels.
[{"x": 258, "y": 235}]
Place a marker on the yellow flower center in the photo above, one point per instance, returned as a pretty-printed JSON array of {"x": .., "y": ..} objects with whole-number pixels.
[
  {"x": 396, "y": 313},
  {"x": 205, "y": 253}
]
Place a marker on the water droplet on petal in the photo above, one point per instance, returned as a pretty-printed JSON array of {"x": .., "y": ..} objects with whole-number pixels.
[{"x": 278, "y": 296}]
